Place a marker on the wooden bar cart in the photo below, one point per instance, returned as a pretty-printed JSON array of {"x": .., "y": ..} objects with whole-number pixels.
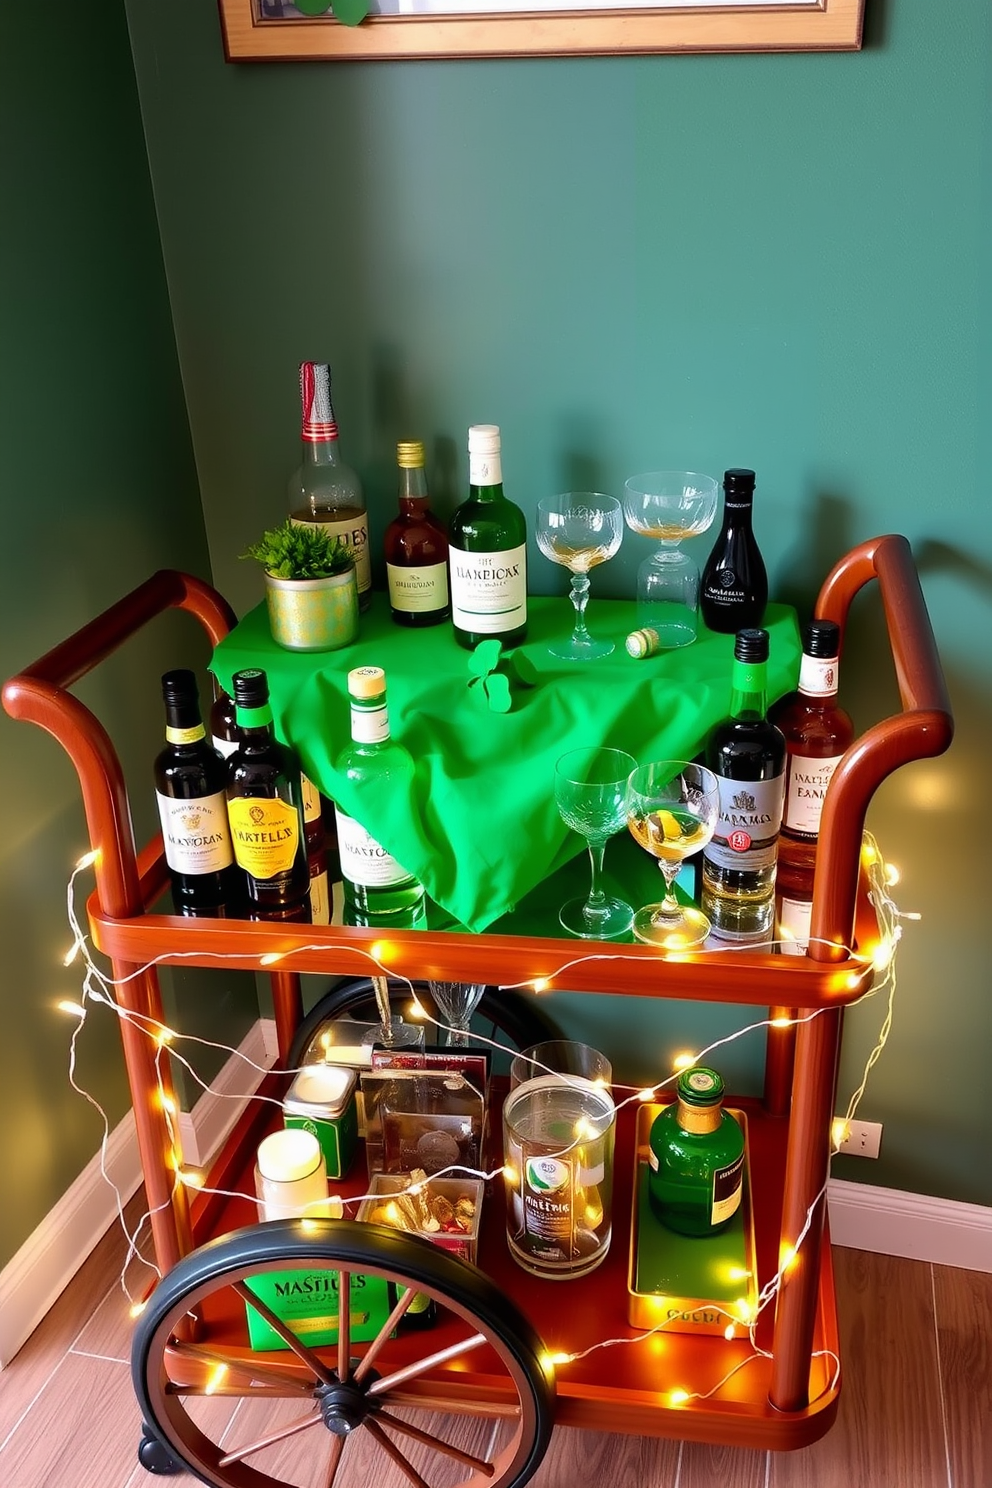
[{"x": 511, "y": 1354}]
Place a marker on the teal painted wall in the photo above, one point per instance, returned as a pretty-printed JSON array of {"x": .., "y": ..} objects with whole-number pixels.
[
  {"x": 780, "y": 261},
  {"x": 98, "y": 488}
]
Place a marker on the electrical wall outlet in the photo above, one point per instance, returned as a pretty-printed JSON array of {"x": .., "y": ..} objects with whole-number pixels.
[{"x": 858, "y": 1138}]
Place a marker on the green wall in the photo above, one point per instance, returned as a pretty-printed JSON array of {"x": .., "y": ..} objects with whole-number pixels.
[{"x": 779, "y": 261}]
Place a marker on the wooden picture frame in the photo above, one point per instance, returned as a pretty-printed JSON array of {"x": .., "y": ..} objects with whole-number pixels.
[{"x": 461, "y": 28}]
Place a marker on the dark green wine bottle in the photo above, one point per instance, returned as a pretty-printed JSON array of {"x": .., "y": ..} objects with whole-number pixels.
[
  {"x": 487, "y": 552},
  {"x": 696, "y": 1158}
]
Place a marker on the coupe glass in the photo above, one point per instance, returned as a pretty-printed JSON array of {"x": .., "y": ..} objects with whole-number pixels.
[
  {"x": 672, "y": 808},
  {"x": 590, "y": 792},
  {"x": 669, "y": 505},
  {"x": 456, "y": 1002},
  {"x": 579, "y": 530}
]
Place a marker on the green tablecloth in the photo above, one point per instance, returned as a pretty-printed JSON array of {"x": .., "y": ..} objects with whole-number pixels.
[{"x": 482, "y": 830}]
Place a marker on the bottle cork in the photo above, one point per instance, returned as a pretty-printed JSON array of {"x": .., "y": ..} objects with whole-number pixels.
[{"x": 642, "y": 643}]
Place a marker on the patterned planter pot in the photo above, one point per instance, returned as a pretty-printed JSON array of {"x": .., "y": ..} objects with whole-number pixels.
[{"x": 313, "y": 614}]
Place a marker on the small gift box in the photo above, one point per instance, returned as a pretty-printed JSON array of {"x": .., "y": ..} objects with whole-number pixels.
[{"x": 443, "y": 1210}]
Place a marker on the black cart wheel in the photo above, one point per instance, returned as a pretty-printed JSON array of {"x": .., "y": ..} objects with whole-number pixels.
[
  {"x": 504, "y": 1016},
  {"x": 467, "y": 1403}
]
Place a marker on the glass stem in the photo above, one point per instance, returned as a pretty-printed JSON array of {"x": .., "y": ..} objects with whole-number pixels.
[
  {"x": 456, "y": 1038},
  {"x": 594, "y": 904},
  {"x": 580, "y": 598},
  {"x": 670, "y": 871}
]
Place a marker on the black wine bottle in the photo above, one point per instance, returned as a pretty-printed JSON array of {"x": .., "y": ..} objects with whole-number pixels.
[
  {"x": 190, "y": 778},
  {"x": 734, "y": 586},
  {"x": 265, "y": 809}
]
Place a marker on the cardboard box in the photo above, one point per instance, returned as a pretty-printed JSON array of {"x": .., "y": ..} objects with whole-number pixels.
[{"x": 308, "y": 1301}]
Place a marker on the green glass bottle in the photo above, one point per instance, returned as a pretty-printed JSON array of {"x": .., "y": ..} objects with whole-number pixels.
[
  {"x": 487, "y": 552},
  {"x": 696, "y": 1158}
]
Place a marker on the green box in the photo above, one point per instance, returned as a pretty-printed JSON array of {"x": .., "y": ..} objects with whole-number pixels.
[{"x": 308, "y": 1301}]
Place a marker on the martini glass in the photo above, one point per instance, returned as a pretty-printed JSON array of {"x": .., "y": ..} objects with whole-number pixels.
[
  {"x": 590, "y": 792},
  {"x": 579, "y": 530},
  {"x": 456, "y": 1002},
  {"x": 672, "y": 809},
  {"x": 669, "y": 505}
]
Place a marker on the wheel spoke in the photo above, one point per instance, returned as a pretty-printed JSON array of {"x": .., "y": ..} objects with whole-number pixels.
[
  {"x": 384, "y": 1333},
  {"x": 482, "y": 1464},
  {"x": 392, "y": 1451},
  {"x": 421, "y": 1366},
  {"x": 337, "y": 1447},
  {"x": 293, "y": 1429},
  {"x": 286, "y": 1333},
  {"x": 344, "y": 1325},
  {"x": 270, "y": 1375}
]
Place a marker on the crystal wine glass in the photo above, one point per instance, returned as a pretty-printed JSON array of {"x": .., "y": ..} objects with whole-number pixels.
[
  {"x": 456, "y": 1002},
  {"x": 669, "y": 505},
  {"x": 391, "y": 1032},
  {"x": 579, "y": 530},
  {"x": 590, "y": 792},
  {"x": 672, "y": 809}
]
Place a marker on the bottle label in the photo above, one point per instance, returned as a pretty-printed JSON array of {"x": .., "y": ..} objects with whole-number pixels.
[
  {"x": 489, "y": 590},
  {"x": 363, "y": 861},
  {"x": 806, "y": 788},
  {"x": 746, "y": 836},
  {"x": 185, "y": 735},
  {"x": 818, "y": 676},
  {"x": 266, "y": 834},
  {"x": 794, "y": 917},
  {"x": 369, "y": 720},
  {"x": 311, "y": 800},
  {"x": 728, "y": 1186},
  {"x": 355, "y": 531},
  {"x": 418, "y": 590},
  {"x": 226, "y": 747},
  {"x": 320, "y": 899},
  {"x": 196, "y": 833}
]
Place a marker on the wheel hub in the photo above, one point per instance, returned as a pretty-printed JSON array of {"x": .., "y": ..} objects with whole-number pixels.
[{"x": 343, "y": 1406}]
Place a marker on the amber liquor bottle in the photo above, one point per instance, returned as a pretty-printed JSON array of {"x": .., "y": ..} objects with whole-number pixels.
[
  {"x": 265, "y": 809},
  {"x": 416, "y": 547}
]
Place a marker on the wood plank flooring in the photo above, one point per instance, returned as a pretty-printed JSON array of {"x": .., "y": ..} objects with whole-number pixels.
[{"x": 916, "y": 1405}]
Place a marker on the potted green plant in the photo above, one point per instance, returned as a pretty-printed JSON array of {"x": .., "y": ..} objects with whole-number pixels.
[{"x": 310, "y": 586}]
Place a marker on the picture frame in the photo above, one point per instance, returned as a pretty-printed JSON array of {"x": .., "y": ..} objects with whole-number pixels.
[{"x": 271, "y": 30}]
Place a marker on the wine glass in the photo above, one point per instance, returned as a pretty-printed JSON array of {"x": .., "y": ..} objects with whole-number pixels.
[
  {"x": 579, "y": 530},
  {"x": 669, "y": 505},
  {"x": 590, "y": 792},
  {"x": 672, "y": 809},
  {"x": 456, "y": 1002},
  {"x": 391, "y": 1032}
]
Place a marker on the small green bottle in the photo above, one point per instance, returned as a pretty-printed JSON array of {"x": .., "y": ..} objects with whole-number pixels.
[{"x": 696, "y": 1158}]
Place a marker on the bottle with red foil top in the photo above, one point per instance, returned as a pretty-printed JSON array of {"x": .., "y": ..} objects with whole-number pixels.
[
  {"x": 323, "y": 489},
  {"x": 817, "y": 732}
]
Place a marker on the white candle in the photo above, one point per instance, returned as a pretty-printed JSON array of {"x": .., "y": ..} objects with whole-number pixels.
[{"x": 291, "y": 1176}]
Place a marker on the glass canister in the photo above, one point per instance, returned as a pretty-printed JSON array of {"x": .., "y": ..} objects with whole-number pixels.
[
  {"x": 558, "y": 1137},
  {"x": 291, "y": 1176}
]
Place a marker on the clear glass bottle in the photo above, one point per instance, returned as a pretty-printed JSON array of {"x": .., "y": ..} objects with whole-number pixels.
[
  {"x": 416, "y": 547},
  {"x": 734, "y": 586},
  {"x": 265, "y": 808},
  {"x": 323, "y": 489},
  {"x": 817, "y": 732},
  {"x": 696, "y": 1158},
  {"x": 377, "y": 889},
  {"x": 747, "y": 755},
  {"x": 190, "y": 778},
  {"x": 487, "y": 551}
]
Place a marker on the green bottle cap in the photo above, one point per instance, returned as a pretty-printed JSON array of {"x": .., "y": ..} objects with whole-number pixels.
[{"x": 700, "y": 1087}]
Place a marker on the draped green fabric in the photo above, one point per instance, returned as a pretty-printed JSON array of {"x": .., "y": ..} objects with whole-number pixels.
[{"x": 482, "y": 831}]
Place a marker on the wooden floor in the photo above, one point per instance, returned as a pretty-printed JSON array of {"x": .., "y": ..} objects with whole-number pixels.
[{"x": 916, "y": 1404}]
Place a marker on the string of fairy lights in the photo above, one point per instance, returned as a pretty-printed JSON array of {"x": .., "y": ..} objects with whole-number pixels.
[{"x": 742, "y": 1316}]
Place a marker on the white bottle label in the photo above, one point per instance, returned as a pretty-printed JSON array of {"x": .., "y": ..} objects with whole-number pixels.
[
  {"x": 807, "y": 781},
  {"x": 818, "y": 676},
  {"x": 355, "y": 531},
  {"x": 363, "y": 861},
  {"x": 311, "y": 799},
  {"x": 369, "y": 724},
  {"x": 196, "y": 833},
  {"x": 416, "y": 590},
  {"x": 746, "y": 836},
  {"x": 794, "y": 917},
  {"x": 489, "y": 590}
]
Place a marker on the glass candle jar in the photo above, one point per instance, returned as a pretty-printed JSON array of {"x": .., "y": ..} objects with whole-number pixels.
[{"x": 291, "y": 1176}]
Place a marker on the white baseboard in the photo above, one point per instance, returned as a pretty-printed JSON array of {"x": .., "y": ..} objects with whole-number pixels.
[
  {"x": 916, "y": 1226},
  {"x": 50, "y": 1257}
]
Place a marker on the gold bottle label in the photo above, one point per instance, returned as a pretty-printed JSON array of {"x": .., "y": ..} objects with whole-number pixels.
[{"x": 265, "y": 833}]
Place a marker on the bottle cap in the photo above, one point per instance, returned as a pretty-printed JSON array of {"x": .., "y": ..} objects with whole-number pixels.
[
  {"x": 366, "y": 682},
  {"x": 738, "y": 482},
  {"x": 483, "y": 439},
  {"x": 251, "y": 688},
  {"x": 284, "y": 1156},
  {"x": 700, "y": 1086},
  {"x": 410, "y": 454},
  {"x": 180, "y": 686},
  {"x": 821, "y": 638},
  {"x": 751, "y": 645}
]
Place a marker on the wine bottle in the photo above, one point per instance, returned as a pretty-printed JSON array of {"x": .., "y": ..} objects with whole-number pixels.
[
  {"x": 747, "y": 755},
  {"x": 189, "y": 784},
  {"x": 223, "y": 721},
  {"x": 265, "y": 808},
  {"x": 377, "y": 889},
  {"x": 323, "y": 489},
  {"x": 696, "y": 1158},
  {"x": 487, "y": 551},
  {"x": 416, "y": 548},
  {"x": 316, "y": 848},
  {"x": 817, "y": 732},
  {"x": 734, "y": 585}
]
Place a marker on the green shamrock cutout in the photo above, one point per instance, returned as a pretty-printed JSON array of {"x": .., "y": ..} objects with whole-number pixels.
[{"x": 483, "y": 664}]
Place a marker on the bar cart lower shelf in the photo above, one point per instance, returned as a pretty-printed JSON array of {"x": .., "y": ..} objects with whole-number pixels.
[{"x": 492, "y": 1355}]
